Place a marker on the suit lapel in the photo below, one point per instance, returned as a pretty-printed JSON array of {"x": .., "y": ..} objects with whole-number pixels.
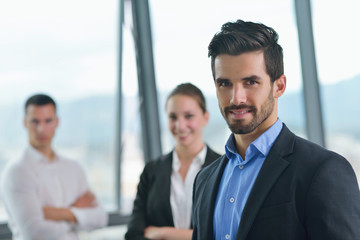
[
  {"x": 165, "y": 178},
  {"x": 209, "y": 197},
  {"x": 272, "y": 168},
  {"x": 211, "y": 156}
]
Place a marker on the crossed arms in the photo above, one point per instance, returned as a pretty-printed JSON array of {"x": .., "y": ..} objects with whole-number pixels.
[
  {"x": 87, "y": 200},
  {"x": 35, "y": 213}
]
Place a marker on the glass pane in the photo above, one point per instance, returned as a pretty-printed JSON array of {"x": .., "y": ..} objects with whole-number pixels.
[
  {"x": 182, "y": 31},
  {"x": 337, "y": 50},
  {"x": 66, "y": 49},
  {"x": 132, "y": 152}
]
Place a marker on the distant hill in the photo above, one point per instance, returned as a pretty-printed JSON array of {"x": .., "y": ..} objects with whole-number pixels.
[
  {"x": 340, "y": 106},
  {"x": 342, "y": 109},
  {"x": 92, "y": 120}
]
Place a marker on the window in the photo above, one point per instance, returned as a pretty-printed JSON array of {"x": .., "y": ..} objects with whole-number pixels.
[
  {"x": 337, "y": 50},
  {"x": 132, "y": 153},
  {"x": 66, "y": 49}
]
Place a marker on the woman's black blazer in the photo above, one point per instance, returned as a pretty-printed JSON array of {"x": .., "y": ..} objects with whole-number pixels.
[{"x": 152, "y": 202}]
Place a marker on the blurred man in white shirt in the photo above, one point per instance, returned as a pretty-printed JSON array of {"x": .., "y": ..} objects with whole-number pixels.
[{"x": 46, "y": 195}]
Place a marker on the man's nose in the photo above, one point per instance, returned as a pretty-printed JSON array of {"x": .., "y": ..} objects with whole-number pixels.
[
  {"x": 238, "y": 95},
  {"x": 40, "y": 127}
]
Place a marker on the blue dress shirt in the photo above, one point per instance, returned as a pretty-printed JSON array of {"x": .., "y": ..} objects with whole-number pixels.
[{"x": 238, "y": 179}]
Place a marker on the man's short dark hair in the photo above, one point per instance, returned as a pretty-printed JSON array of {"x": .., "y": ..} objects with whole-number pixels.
[
  {"x": 239, "y": 37},
  {"x": 39, "y": 100}
]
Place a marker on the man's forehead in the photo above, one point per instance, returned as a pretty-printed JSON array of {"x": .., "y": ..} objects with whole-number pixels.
[
  {"x": 47, "y": 110},
  {"x": 249, "y": 61},
  {"x": 34, "y": 107}
]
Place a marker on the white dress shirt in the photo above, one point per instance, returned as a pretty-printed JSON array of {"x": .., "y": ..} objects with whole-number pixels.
[
  {"x": 181, "y": 191},
  {"x": 33, "y": 182}
]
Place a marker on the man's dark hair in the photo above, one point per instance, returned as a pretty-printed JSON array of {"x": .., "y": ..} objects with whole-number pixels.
[
  {"x": 39, "y": 100},
  {"x": 190, "y": 90},
  {"x": 240, "y": 37}
]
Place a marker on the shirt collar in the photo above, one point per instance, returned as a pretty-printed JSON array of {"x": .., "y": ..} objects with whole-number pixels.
[
  {"x": 230, "y": 147},
  {"x": 198, "y": 159},
  {"x": 38, "y": 156},
  {"x": 262, "y": 144}
]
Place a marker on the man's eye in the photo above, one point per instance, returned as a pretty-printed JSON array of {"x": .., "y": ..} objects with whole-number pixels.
[
  {"x": 223, "y": 83},
  {"x": 189, "y": 116},
  {"x": 172, "y": 117},
  {"x": 251, "y": 82}
]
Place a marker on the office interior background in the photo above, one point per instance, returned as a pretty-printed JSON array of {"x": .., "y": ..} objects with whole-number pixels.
[{"x": 111, "y": 103}]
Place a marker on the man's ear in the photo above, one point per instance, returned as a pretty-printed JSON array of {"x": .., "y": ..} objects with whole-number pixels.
[
  {"x": 57, "y": 121},
  {"x": 279, "y": 86}
]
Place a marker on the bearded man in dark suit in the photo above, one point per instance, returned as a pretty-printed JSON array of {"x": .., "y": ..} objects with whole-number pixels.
[{"x": 270, "y": 184}]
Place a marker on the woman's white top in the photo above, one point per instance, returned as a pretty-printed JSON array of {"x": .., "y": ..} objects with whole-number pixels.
[{"x": 181, "y": 191}]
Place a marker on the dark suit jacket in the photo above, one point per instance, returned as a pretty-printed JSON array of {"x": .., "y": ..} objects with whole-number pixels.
[
  {"x": 302, "y": 191},
  {"x": 152, "y": 202}
]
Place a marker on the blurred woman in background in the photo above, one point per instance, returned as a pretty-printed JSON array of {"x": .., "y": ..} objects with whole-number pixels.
[{"x": 162, "y": 207}]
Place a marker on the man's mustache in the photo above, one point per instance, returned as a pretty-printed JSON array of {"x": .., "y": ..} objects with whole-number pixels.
[{"x": 239, "y": 107}]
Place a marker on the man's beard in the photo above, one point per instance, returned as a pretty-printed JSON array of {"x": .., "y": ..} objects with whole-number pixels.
[{"x": 238, "y": 127}]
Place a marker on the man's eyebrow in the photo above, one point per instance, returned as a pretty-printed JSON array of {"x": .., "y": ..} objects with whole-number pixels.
[
  {"x": 221, "y": 80},
  {"x": 249, "y": 78},
  {"x": 252, "y": 78}
]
